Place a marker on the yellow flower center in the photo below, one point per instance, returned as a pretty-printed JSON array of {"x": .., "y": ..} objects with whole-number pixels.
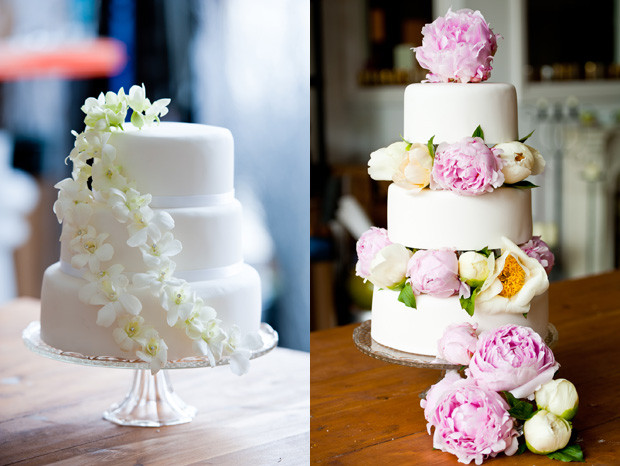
[
  {"x": 131, "y": 329},
  {"x": 151, "y": 347},
  {"x": 512, "y": 277},
  {"x": 109, "y": 173},
  {"x": 90, "y": 246},
  {"x": 179, "y": 298}
]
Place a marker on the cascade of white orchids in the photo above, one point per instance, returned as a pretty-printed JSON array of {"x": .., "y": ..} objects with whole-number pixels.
[{"x": 107, "y": 285}]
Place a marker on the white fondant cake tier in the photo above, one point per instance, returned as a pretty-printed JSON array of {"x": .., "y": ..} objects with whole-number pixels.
[
  {"x": 176, "y": 159},
  {"x": 70, "y": 325},
  {"x": 418, "y": 330},
  {"x": 451, "y": 111},
  {"x": 211, "y": 237},
  {"x": 442, "y": 219}
]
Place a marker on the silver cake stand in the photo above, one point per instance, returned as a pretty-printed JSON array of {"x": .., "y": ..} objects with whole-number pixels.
[
  {"x": 151, "y": 400},
  {"x": 365, "y": 343}
]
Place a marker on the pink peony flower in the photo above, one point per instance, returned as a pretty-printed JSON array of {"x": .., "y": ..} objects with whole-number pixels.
[
  {"x": 458, "y": 343},
  {"x": 369, "y": 244},
  {"x": 512, "y": 358},
  {"x": 537, "y": 249},
  {"x": 470, "y": 421},
  {"x": 467, "y": 167},
  {"x": 434, "y": 272},
  {"x": 458, "y": 47}
]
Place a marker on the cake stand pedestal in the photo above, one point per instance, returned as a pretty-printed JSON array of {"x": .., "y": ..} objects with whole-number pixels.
[{"x": 151, "y": 400}]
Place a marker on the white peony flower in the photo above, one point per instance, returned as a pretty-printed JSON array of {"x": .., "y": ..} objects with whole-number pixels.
[
  {"x": 414, "y": 172},
  {"x": 474, "y": 268},
  {"x": 384, "y": 163},
  {"x": 129, "y": 331},
  {"x": 545, "y": 432},
  {"x": 515, "y": 280},
  {"x": 389, "y": 267},
  {"x": 153, "y": 350},
  {"x": 89, "y": 249},
  {"x": 520, "y": 161},
  {"x": 178, "y": 301},
  {"x": 74, "y": 204},
  {"x": 559, "y": 397},
  {"x": 154, "y": 253}
]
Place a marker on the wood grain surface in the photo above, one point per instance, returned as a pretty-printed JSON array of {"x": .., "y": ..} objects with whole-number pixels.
[
  {"x": 50, "y": 411},
  {"x": 365, "y": 411}
]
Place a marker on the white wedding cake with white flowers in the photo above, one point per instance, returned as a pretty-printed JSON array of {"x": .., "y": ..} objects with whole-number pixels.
[
  {"x": 151, "y": 263},
  {"x": 458, "y": 245}
]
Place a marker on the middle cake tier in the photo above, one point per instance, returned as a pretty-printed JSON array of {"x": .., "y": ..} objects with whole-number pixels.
[
  {"x": 211, "y": 237},
  {"x": 442, "y": 219}
]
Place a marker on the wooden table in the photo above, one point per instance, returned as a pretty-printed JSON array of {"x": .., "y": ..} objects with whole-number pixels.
[
  {"x": 365, "y": 411},
  {"x": 50, "y": 411}
]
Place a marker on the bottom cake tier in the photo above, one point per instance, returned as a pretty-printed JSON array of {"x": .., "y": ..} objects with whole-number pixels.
[
  {"x": 70, "y": 325},
  {"x": 418, "y": 330}
]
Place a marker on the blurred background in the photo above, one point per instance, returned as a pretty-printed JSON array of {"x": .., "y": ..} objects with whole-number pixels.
[
  {"x": 563, "y": 57},
  {"x": 240, "y": 64}
]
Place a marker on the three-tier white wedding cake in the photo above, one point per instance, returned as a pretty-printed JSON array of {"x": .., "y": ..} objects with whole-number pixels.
[{"x": 151, "y": 262}]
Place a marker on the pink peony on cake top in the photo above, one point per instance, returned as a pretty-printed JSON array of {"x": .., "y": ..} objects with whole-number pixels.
[{"x": 458, "y": 47}]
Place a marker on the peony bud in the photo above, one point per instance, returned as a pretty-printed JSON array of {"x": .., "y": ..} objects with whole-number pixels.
[
  {"x": 474, "y": 268},
  {"x": 520, "y": 161},
  {"x": 559, "y": 397},
  {"x": 545, "y": 432}
]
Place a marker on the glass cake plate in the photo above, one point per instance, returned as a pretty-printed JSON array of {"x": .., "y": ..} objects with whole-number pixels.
[
  {"x": 151, "y": 400},
  {"x": 368, "y": 346}
]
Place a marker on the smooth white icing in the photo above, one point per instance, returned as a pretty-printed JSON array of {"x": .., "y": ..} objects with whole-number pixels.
[
  {"x": 418, "y": 330},
  {"x": 176, "y": 159},
  {"x": 451, "y": 111},
  {"x": 69, "y": 324},
  {"x": 442, "y": 219}
]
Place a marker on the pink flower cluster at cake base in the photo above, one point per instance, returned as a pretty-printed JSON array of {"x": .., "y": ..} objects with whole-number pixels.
[
  {"x": 467, "y": 167},
  {"x": 537, "y": 249},
  {"x": 457, "y": 47},
  {"x": 469, "y": 415}
]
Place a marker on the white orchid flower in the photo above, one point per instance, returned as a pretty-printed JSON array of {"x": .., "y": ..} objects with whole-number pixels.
[
  {"x": 89, "y": 249},
  {"x": 154, "y": 253}
]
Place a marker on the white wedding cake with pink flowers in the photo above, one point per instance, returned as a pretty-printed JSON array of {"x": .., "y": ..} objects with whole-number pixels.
[
  {"x": 457, "y": 274},
  {"x": 458, "y": 245},
  {"x": 151, "y": 264}
]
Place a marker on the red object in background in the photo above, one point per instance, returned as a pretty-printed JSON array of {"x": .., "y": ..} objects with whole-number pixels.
[{"x": 71, "y": 60}]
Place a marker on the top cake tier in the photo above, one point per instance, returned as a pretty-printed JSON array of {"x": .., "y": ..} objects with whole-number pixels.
[
  {"x": 177, "y": 159},
  {"x": 451, "y": 111}
]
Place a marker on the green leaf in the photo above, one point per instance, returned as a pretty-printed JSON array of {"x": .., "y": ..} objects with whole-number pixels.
[
  {"x": 409, "y": 144},
  {"x": 469, "y": 304},
  {"x": 522, "y": 448},
  {"x": 568, "y": 454},
  {"x": 486, "y": 252},
  {"x": 525, "y": 315},
  {"x": 521, "y": 185},
  {"x": 478, "y": 133},
  {"x": 519, "y": 409},
  {"x": 431, "y": 147},
  {"x": 407, "y": 297},
  {"x": 526, "y": 137}
]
